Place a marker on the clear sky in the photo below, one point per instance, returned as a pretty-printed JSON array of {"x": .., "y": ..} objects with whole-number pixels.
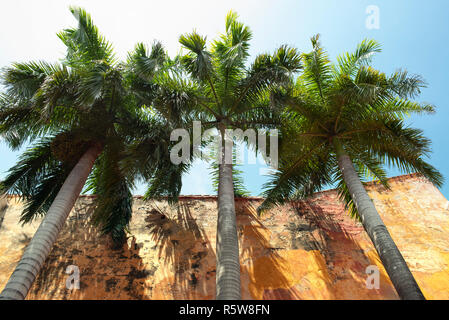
[{"x": 414, "y": 35}]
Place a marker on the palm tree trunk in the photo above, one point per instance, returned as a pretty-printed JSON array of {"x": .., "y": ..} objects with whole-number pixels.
[
  {"x": 228, "y": 263},
  {"x": 392, "y": 259},
  {"x": 39, "y": 247}
]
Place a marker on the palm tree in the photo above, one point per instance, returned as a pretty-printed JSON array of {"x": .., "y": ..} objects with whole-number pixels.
[
  {"x": 346, "y": 124},
  {"x": 229, "y": 95},
  {"x": 85, "y": 117}
]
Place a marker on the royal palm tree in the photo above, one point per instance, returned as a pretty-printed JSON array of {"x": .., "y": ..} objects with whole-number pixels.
[
  {"x": 230, "y": 95},
  {"x": 81, "y": 116},
  {"x": 345, "y": 124}
]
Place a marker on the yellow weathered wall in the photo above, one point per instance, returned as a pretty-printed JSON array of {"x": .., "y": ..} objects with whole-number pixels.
[{"x": 309, "y": 250}]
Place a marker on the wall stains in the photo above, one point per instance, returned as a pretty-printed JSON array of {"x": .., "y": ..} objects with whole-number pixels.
[{"x": 307, "y": 250}]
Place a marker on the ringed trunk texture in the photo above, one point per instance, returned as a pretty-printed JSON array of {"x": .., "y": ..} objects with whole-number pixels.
[
  {"x": 392, "y": 259},
  {"x": 228, "y": 263},
  {"x": 39, "y": 247}
]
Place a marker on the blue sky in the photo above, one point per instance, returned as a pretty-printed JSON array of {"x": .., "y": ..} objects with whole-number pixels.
[{"x": 413, "y": 35}]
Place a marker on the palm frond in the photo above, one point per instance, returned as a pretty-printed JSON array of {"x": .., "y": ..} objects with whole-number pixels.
[
  {"x": 397, "y": 145},
  {"x": 85, "y": 43},
  {"x": 405, "y": 85},
  {"x": 44, "y": 193},
  {"x": 297, "y": 175},
  {"x": 317, "y": 69},
  {"x": 114, "y": 199},
  {"x": 144, "y": 62},
  {"x": 362, "y": 56},
  {"x": 32, "y": 166}
]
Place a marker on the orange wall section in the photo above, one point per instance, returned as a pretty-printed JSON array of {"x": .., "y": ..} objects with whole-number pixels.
[{"x": 308, "y": 250}]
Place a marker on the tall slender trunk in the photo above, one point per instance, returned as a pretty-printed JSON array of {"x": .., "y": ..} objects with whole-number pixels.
[
  {"x": 392, "y": 259},
  {"x": 228, "y": 263},
  {"x": 38, "y": 249}
]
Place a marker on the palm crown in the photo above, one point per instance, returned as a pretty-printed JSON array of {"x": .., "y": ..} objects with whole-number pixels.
[
  {"x": 85, "y": 100},
  {"x": 227, "y": 91},
  {"x": 352, "y": 107}
]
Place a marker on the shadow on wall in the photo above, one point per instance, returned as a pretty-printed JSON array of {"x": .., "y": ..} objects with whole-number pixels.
[
  {"x": 345, "y": 261},
  {"x": 307, "y": 252},
  {"x": 3, "y": 207},
  {"x": 186, "y": 251},
  {"x": 105, "y": 273},
  {"x": 261, "y": 263},
  {"x": 180, "y": 251}
]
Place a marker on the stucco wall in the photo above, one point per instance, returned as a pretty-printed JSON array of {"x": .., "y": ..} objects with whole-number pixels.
[{"x": 310, "y": 250}]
